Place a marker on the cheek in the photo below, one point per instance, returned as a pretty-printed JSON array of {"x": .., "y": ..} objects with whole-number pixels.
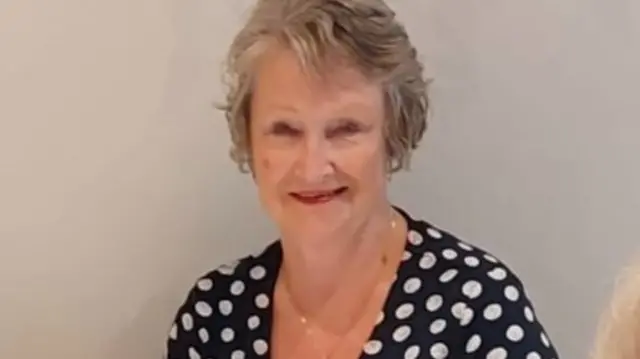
[
  {"x": 265, "y": 164},
  {"x": 366, "y": 165},
  {"x": 270, "y": 170},
  {"x": 262, "y": 167}
]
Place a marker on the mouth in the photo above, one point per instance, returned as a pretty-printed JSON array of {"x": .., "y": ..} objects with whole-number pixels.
[{"x": 319, "y": 197}]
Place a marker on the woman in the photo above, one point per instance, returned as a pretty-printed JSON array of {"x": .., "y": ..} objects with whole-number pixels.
[
  {"x": 618, "y": 335},
  {"x": 327, "y": 100}
]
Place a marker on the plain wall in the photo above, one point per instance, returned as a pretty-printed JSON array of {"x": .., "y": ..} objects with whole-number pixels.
[{"x": 116, "y": 191}]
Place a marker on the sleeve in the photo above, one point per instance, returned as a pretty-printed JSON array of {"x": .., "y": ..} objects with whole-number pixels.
[
  {"x": 192, "y": 327},
  {"x": 498, "y": 320}
]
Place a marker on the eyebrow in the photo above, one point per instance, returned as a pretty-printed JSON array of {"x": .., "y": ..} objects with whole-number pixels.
[{"x": 344, "y": 120}]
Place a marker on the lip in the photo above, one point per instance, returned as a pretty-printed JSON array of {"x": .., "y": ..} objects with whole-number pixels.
[{"x": 315, "y": 197}]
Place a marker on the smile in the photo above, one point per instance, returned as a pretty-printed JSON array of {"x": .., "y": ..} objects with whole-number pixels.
[{"x": 318, "y": 197}]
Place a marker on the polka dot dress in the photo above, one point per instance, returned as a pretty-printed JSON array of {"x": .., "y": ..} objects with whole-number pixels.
[{"x": 449, "y": 300}]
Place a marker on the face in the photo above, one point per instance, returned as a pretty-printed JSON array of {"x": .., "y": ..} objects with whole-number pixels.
[{"x": 318, "y": 146}]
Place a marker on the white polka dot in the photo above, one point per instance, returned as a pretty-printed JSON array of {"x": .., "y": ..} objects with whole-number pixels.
[
  {"x": 225, "y": 307},
  {"x": 498, "y": 274},
  {"x": 259, "y": 252},
  {"x": 238, "y": 354},
  {"x": 515, "y": 333},
  {"x": 528, "y": 313},
  {"x": 457, "y": 310},
  {"x": 412, "y": 352},
  {"x": 406, "y": 255},
  {"x": 173, "y": 333},
  {"x": 227, "y": 335},
  {"x": 448, "y": 275},
  {"x": 372, "y": 347},
  {"x": 492, "y": 312},
  {"x": 545, "y": 340},
  {"x": 258, "y": 272},
  {"x": 415, "y": 238},
  {"x": 380, "y": 318},
  {"x": 434, "y": 302},
  {"x": 467, "y": 316},
  {"x": 473, "y": 343},
  {"x": 401, "y": 333},
  {"x": 511, "y": 293},
  {"x": 438, "y": 326},
  {"x": 205, "y": 284},
  {"x": 534, "y": 355},
  {"x": 427, "y": 261},
  {"x": 490, "y": 258},
  {"x": 412, "y": 285},
  {"x": 204, "y": 335},
  {"x": 497, "y": 353},
  {"x": 187, "y": 321},
  {"x": 253, "y": 322},
  {"x": 434, "y": 233},
  {"x": 471, "y": 261},
  {"x": 472, "y": 289},
  {"x": 193, "y": 354},
  {"x": 262, "y": 301},
  {"x": 439, "y": 351},
  {"x": 237, "y": 287},
  {"x": 203, "y": 309},
  {"x": 228, "y": 269},
  {"x": 404, "y": 311},
  {"x": 465, "y": 246},
  {"x": 260, "y": 346},
  {"x": 449, "y": 254}
]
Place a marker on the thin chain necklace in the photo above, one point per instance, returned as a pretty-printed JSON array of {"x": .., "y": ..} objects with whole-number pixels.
[{"x": 308, "y": 324}]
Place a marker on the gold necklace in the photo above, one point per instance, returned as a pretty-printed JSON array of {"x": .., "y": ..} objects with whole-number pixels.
[
  {"x": 307, "y": 323},
  {"x": 384, "y": 261}
]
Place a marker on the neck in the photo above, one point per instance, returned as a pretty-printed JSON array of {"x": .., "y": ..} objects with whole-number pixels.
[{"x": 314, "y": 269}]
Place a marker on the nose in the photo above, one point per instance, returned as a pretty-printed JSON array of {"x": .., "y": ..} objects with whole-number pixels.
[{"x": 314, "y": 164}]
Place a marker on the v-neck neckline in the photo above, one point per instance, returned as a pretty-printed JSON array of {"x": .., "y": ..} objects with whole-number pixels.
[{"x": 268, "y": 288}]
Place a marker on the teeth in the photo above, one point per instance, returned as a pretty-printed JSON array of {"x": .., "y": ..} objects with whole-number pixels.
[
  {"x": 315, "y": 195},
  {"x": 319, "y": 195}
]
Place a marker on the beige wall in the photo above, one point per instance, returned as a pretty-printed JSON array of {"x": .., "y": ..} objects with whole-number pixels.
[{"x": 116, "y": 191}]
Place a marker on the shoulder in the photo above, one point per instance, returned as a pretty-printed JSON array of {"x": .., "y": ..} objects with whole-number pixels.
[
  {"x": 438, "y": 251},
  {"x": 230, "y": 279},
  {"x": 493, "y": 314},
  {"x": 219, "y": 302}
]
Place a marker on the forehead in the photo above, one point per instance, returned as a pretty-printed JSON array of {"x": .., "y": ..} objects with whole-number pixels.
[{"x": 281, "y": 80}]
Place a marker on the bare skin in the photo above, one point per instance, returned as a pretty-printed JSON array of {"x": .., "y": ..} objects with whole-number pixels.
[{"x": 319, "y": 162}]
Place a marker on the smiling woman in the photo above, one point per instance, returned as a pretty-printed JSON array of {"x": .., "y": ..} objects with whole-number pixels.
[
  {"x": 317, "y": 141},
  {"x": 327, "y": 100}
]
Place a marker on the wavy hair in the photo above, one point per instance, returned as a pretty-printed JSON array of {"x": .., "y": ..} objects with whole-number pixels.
[{"x": 364, "y": 33}]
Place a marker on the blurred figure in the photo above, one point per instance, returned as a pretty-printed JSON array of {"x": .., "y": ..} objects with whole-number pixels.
[{"x": 618, "y": 335}]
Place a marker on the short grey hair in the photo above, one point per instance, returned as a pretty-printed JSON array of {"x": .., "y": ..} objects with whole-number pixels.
[{"x": 365, "y": 33}]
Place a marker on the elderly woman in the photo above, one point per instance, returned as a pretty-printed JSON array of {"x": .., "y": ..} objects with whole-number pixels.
[
  {"x": 618, "y": 335},
  {"x": 327, "y": 100}
]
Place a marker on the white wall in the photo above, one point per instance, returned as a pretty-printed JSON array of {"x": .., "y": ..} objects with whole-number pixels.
[{"x": 116, "y": 190}]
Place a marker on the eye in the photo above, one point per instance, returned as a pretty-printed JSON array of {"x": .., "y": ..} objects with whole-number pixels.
[
  {"x": 345, "y": 129},
  {"x": 284, "y": 129}
]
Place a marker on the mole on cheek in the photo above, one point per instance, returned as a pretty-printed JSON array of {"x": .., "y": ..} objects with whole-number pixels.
[{"x": 265, "y": 163}]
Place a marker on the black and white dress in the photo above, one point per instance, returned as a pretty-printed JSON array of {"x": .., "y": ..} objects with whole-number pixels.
[{"x": 449, "y": 300}]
